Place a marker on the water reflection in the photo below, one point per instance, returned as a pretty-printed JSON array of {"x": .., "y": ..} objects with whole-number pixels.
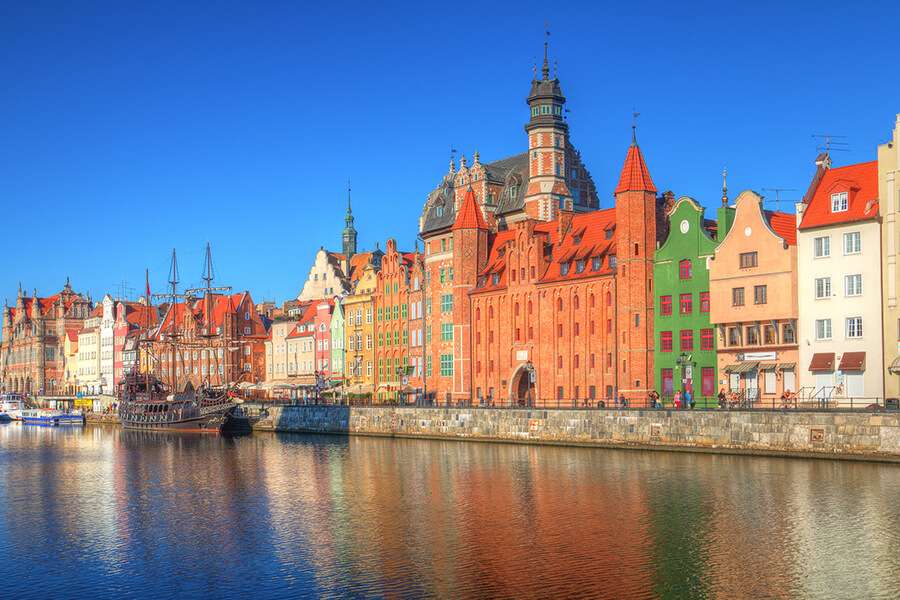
[{"x": 116, "y": 513}]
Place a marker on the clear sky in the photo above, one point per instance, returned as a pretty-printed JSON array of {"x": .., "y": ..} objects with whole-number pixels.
[{"x": 129, "y": 128}]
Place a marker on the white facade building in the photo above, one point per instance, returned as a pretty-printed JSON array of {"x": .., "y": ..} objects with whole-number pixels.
[
  {"x": 107, "y": 340},
  {"x": 839, "y": 286}
]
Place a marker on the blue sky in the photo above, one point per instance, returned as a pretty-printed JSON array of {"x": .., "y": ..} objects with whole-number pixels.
[{"x": 127, "y": 130}]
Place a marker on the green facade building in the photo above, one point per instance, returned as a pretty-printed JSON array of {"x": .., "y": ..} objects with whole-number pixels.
[{"x": 685, "y": 341}]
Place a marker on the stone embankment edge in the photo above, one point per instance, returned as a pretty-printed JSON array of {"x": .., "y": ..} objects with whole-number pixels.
[{"x": 704, "y": 448}]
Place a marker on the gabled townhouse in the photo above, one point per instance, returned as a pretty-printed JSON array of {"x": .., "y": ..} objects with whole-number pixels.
[
  {"x": 753, "y": 302},
  {"x": 685, "y": 358},
  {"x": 839, "y": 284}
]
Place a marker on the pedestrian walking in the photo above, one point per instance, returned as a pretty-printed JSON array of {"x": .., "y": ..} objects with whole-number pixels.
[{"x": 688, "y": 399}]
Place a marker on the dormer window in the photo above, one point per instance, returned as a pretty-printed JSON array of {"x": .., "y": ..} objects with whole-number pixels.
[
  {"x": 839, "y": 202},
  {"x": 609, "y": 234},
  {"x": 576, "y": 239},
  {"x": 564, "y": 269},
  {"x": 612, "y": 261},
  {"x": 579, "y": 266},
  {"x": 495, "y": 279},
  {"x": 439, "y": 211},
  {"x": 596, "y": 263}
]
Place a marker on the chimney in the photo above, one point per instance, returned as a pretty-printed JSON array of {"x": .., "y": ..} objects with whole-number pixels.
[{"x": 564, "y": 222}]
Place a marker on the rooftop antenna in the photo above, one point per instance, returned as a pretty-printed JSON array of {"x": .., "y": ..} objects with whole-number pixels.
[
  {"x": 778, "y": 194},
  {"x": 831, "y": 143}
]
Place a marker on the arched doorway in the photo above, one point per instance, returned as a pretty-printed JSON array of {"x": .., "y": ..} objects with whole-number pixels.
[{"x": 522, "y": 385}]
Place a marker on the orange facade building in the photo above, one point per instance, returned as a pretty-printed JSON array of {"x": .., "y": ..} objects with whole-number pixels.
[{"x": 399, "y": 335}]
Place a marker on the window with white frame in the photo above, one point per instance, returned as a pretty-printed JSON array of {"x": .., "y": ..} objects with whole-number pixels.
[
  {"x": 823, "y": 329},
  {"x": 839, "y": 202},
  {"x": 822, "y": 246},
  {"x": 853, "y": 285},
  {"x": 852, "y": 243},
  {"x": 854, "y": 327},
  {"x": 823, "y": 287}
]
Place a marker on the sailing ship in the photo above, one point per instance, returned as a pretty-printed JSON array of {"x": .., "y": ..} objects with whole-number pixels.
[{"x": 148, "y": 402}]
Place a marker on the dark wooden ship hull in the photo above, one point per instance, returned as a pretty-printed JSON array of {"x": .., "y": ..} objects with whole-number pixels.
[{"x": 214, "y": 422}]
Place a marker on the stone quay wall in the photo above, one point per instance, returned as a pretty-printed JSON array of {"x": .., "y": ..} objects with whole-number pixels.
[{"x": 793, "y": 433}]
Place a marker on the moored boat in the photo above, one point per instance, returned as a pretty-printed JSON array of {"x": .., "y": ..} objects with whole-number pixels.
[
  {"x": 11, "y": 406},
  {"x": 145, "y": 403},
  {"x": 43, "y": 416}
]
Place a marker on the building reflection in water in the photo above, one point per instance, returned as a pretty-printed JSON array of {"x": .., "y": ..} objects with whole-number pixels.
[{"x": 155, "y": 513}]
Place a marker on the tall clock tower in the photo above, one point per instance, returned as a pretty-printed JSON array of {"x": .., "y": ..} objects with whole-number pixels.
[{"x": 548, "y": 138}]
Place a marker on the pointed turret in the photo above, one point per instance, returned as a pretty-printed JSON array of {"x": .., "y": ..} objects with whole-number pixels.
[
  {"x": 635, "y": 176},
  {"x": 469, "y": 216},
  {"x": 635, "y": 236}
]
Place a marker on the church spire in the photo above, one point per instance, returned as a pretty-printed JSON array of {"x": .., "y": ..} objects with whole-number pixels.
[{"x": 349, "y": 236}]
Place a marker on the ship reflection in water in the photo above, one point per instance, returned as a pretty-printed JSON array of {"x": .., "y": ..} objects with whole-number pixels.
[{"x": 105, "y": 513}]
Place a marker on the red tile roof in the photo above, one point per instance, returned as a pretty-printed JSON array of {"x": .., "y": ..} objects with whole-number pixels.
[
  {"x": 469, "y": 216},
  {"x": 860, "y": 181},
  {"x": 585, "y": 239},
  {"x": 635, "y": 175},
  {"x": 784, "y": 224}
]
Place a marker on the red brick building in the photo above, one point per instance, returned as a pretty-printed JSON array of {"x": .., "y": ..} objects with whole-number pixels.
[
  {"x": 218, "y": 339},
  {"x": 133, "y": 319},
  {"x": 32, "y": 357},
  {"x": 521, "y": 237},
  {"x": 562, "y": 310}
]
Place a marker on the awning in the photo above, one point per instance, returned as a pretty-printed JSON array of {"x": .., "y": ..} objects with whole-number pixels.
[
  {"x": 787, "y": 366},
  {"x": 767, "y": 366},
  {"x": 742, "y": 367},
  {"x": 822, "y": 361},
  {"x": 853, "y": 361},
  {"x": 895, "y": 365}
]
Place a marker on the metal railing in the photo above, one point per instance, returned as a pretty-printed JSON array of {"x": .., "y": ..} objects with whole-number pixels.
[{"x": 730, "y": 402}]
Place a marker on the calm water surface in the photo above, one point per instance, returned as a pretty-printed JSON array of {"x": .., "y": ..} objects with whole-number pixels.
[{"x": 105, "y": 513}]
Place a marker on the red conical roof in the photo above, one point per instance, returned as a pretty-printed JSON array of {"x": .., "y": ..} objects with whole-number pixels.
[
  {"x": 469, "y": 216},
  {"x": 635, "y": 176}
]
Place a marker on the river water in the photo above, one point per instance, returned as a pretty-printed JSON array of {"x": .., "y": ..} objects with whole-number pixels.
[{"x": 106, "y": 513}]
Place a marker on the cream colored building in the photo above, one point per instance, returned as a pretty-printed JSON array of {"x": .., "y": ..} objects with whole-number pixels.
[
  {"x": 325, "y": 279},
  {"x": 89, "y": 381},
  {"x": 839, "y": 286},
  {"x": 889, "y": 206},
  {"x": 277, "y": 351}
]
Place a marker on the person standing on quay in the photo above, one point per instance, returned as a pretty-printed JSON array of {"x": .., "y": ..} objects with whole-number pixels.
[{"x": 677, "y": 400}]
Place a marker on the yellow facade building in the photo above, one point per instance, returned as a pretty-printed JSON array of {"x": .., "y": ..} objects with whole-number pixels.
[{"x": 359, "y": 334}]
